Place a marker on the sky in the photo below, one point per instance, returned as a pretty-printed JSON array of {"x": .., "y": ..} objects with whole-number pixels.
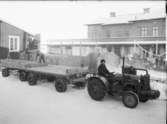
[{"x": 66, "y": 20}]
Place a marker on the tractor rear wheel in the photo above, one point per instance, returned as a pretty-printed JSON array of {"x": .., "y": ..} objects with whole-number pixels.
[
  {"x": 5, "y": 72},
  {"x": 130, "y": 99},
  {"x": 96, "y": 89}
]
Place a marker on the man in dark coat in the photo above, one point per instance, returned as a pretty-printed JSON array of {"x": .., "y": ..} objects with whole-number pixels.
[
  {"x": 102, "y": 70},
  {"x": 40, "y": 57}
]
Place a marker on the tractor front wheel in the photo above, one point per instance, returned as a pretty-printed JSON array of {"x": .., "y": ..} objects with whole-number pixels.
[{"x": 130, "y": 99}]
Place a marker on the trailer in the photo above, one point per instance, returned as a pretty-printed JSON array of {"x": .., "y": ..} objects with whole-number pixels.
[{"x": 33, "y": 72}]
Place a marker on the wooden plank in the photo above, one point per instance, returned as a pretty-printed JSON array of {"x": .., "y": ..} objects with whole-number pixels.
[
  {"x": 43, "y": 68},
  {"x": 20, "y": 64},
  {"x": 59, "y": 70}
]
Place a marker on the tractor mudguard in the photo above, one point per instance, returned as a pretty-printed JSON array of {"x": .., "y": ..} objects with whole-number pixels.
[{"x": 103, "y": 79}]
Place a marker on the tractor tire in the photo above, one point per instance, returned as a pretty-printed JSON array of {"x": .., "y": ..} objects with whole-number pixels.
[
  {"x": 143, "y": 99},
  {"x": 96, "y": 89},
  {"x": 32, "y": 79},
  {"x": 23, "y": 76},
  {"x": 60, "y": 85},
  {"x": 5, "y": 72},
  {"x": 130, "y": 99}
]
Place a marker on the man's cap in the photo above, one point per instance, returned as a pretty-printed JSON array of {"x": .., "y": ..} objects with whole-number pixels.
[{"x": 102, "y": 61}]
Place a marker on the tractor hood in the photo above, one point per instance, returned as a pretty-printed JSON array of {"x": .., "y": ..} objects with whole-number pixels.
[{"x": 131, "y": 76}]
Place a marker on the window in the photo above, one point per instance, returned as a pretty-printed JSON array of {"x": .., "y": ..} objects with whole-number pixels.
[
  {"x": 143, "y": 31},
  {"x": 14, "y": 43},
  {"x": 155, "y": 31}
]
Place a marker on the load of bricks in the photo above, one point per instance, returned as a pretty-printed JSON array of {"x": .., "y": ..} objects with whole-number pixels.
[{"x": 21, "y": 64}]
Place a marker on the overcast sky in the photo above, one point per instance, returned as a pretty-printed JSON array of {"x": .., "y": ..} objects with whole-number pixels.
[{"x": 63, "y": 20}]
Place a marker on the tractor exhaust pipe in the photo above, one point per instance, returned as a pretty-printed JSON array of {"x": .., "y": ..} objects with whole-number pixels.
[{"x": 123, "y": 65}]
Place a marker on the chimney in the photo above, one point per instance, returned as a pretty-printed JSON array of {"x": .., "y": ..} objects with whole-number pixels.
[
  {"x": 146, "y": 10},
  {"x": 112, "y": 14}
]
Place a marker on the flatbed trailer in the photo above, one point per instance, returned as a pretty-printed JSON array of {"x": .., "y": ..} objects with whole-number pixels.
[{"x": 32, "y": 72}]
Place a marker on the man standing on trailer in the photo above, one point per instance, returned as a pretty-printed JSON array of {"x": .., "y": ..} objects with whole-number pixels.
[{"x": 40, "y": 57}]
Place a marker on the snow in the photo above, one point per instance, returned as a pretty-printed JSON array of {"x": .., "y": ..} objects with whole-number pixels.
[
  {"x": 128, "y": 18},
  {"x": 158, "y": 75},
  {"x": 41, "y": 104}
]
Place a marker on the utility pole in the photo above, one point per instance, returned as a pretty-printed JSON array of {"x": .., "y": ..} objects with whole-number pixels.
[{"x": 156, "y": 49}]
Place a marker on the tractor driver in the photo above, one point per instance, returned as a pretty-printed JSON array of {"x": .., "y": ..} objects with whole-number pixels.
[{"x": 103, "y": 71}]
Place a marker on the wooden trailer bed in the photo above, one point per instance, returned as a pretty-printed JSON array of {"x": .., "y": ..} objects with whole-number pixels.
[
  {"x": 59, "y": 70},
  {"x": 33, "y": 71}
]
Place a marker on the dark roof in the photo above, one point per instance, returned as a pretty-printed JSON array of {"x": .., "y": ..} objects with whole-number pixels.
[{"x": 2, "y": 20}]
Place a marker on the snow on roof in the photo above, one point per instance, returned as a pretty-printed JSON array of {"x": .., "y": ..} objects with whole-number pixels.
[
  {"x": 152, "y": 15},
  {"x": 121, "y": 19}
]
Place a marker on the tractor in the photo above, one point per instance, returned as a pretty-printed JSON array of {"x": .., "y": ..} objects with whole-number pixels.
[{"x": 128, "y": 85}]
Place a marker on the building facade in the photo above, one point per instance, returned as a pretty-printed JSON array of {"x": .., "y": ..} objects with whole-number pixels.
[
  {"x": 146, "y": 32},
  {"x": 142, "y": 35},
  {"x": 14, "y": 40},
  {"x": 145, "y": 27}
]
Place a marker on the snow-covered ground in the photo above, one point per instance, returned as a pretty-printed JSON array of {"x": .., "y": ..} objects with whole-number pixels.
[{"x": 41, "y": 104}]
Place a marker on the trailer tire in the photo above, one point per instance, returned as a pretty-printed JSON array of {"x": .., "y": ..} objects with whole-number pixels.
[
  {"x": 22, "y": 76},
  {"x": 5, "y": 72},
  {"x": 60, "y": 85},
  {"x": 96, "y": 89},
  {"x": 32, "y": 79},
  {"x": 130, "y": 99}
]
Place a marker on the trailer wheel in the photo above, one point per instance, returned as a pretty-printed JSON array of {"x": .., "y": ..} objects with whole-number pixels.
[
  {"x": 22, "y": 76},
  {"x": 60, "y": 85},
  {"x": 32, "y": 79},
  {"x": 5, "y": 72},
  {"x": 96, "y": 89},
  {"x": 130, "y": 99}
]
